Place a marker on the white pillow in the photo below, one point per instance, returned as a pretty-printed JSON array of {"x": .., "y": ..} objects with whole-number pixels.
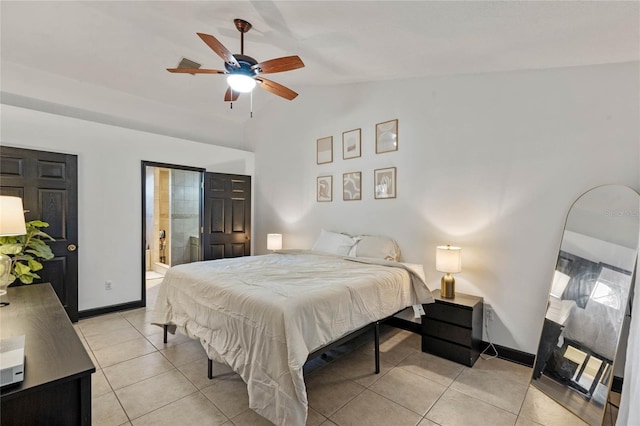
[
  {"x": 377, "y": 247},
  {"x": 334, "y": 243}
]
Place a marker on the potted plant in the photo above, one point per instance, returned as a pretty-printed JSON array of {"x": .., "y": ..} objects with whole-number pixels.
[{"x": 25, "y": 252}]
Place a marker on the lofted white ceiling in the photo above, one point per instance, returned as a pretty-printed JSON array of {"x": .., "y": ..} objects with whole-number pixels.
[{"x": 108, "y": 58}]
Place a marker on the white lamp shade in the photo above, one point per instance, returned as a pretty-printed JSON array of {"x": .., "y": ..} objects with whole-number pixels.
[
  {"x": 274, "y": 241},
  {"x": 11, "y": 216},
  {"x": 449, "y": 259},
  {"x": 241, "y": 83}
]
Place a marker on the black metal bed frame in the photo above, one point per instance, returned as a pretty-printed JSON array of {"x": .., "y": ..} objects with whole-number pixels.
[{"x": 320, "y": 351}]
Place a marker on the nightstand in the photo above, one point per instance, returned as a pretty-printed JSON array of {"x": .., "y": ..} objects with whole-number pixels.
[{"x": 452, "y": 328}]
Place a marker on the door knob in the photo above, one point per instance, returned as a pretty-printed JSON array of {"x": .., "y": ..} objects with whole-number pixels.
[{"x": 72, "y": 247}]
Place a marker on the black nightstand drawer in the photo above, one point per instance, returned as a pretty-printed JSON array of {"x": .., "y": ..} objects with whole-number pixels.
[
  {"x": 449, "y": 313},
  {"x": 457, "y": 353},
  {"x": 452, "y": 333}
]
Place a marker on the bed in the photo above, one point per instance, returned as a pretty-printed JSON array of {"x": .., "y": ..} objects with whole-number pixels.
[{"x": 264, "y": 315}]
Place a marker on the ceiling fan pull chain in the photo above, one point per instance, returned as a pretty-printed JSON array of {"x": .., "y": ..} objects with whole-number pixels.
[{"x": 251, "y": 101}]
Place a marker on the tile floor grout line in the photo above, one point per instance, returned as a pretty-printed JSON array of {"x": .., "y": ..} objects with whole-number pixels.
[{"x": 426, "y": 378}]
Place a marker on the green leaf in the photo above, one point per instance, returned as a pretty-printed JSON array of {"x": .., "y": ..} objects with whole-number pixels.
[
  {"x": 37, "y": 224},
  {"x": 37, "y": 233},
  {"x": 28, "y": 278},
  {"x": 21, "y": 269},
  {"x": 20, "y": 257},
  {"x": 11, "y": 248},
  {"x": 35, "y": 265},
  {"x": 43, "y": 252},
  {"x": 8, "y": 240},
  {"x": 12, "y": 278}
]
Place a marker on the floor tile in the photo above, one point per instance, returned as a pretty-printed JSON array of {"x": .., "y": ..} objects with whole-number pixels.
[
  {"x": 141, "y": 320},
  {"x": 110, "y": 338},
  {"x": 399, "y": 347},
  {"x": 543, "y": 410},
  {"x": 409, "y": 390},
  {"x": 137, "y": 369},
  {"x": 427, "y": 422},
  {"x": 314, "y": 418},
  {"x": 328, "y": 391},
  {"x": 229, "y": 394},
  {"x": 184, "y": 353},
  {"x": 516, "y": 371},
  {"x": 123, "y": 351},
  {"x": 99, "y": 384},
  {"x": 106, "y": 410},
  {"x": 501, "y": 386},
  {"x": 456, "y": 409},
  {"x": 434, "y": 368},
  {"x": 194, "y": 409},
  {"x": 250, "y": 418},
  {"x": 153, "y": 393},
  {"x": 102, "y": 324},
  {"x": 196, "y": 371},
  {"x": 371, "y": 409},
  {"x": 359, "y": 366},
  {"x": 523, "y": 421}
]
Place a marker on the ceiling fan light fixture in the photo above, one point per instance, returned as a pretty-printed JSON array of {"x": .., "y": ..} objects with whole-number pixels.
[{"x": 241, "y": 83}]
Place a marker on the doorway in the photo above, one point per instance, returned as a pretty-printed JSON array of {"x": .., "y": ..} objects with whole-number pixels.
[{"x": 172, "y": 219}]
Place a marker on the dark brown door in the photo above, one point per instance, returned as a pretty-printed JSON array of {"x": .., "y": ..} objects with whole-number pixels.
[
  {"x": 227, "y": 216},
  {"x": 47, "y": 183}
]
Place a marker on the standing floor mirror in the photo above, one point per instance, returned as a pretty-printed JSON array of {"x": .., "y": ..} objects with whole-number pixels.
[{"x": 588, "y": 300}]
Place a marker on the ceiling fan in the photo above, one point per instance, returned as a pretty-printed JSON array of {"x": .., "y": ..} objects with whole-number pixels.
[{"x": 244, "y": 72}]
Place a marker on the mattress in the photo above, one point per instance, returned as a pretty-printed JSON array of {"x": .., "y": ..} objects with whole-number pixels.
[{"x": 263, "y": 315}]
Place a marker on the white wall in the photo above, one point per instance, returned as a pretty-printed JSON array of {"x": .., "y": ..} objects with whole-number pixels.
[
  {"x": 109, "y": 190},
  {"x": 489, "y": 162}
]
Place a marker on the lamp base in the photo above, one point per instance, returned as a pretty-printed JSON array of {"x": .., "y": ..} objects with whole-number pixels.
[{"x": 448, "y": 287}]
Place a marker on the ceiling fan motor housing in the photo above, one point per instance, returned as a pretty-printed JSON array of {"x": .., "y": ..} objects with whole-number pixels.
[{"x": 246, "y": 62}]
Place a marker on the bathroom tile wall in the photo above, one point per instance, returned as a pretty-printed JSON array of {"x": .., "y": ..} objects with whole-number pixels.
[{"x": 185, "y": 204}]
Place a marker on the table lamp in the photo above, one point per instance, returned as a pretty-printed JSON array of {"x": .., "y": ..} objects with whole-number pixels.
[
  {"x": 11, "y": 224},
  {"x": 274, "y": 242},
  {"x": 448, "y": 260}
]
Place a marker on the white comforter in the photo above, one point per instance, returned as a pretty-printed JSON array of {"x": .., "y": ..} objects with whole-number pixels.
[{"x": 263, "y": 315}]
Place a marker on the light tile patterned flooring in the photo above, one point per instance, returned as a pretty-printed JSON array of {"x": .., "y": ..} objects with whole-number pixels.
[{"x": 139, "y": 380}]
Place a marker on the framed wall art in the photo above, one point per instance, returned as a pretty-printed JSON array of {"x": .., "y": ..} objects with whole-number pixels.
[
  {"x": 384, "y": 183},
  {"x": 324, "y": 189},
  {"x": 352, "y": 186},
  {"x": 351, "y": 144},
  {"x": 387, "y": 136},
  {"x": 324, "y": 150}
]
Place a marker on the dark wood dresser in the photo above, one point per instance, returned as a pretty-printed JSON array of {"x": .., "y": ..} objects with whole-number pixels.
[
  {"x": 57, "y": 372},
  {"x": 452, "y": 328}
]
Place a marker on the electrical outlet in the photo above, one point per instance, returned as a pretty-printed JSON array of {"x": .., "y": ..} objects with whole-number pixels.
[
  {"x": 108, "y": 285},
  {"x": 488, "y": 311}
]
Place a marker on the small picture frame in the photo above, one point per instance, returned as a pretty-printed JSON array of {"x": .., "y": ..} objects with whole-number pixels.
[
  {"x": 324, "y": 189},
  {"x": 387, "y": 136},
  {"x": 351, "y": 144},
  {"x": 352, "y": 186},
  {"x": 384, "y": 183},
  {"x": 324, "y": 150}
]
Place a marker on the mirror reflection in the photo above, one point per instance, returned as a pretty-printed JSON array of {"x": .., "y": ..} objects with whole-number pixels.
[{"x": 588, "y": 300}]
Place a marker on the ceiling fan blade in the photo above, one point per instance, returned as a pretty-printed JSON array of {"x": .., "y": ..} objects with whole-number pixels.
[
  {"x": 219, "y": 48},
  {"x": 230, "y": 95},
  {"x": 276, "y": 88},
  {"x": 194, "y": 71},
  {"x": 286, "y": 63}
]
